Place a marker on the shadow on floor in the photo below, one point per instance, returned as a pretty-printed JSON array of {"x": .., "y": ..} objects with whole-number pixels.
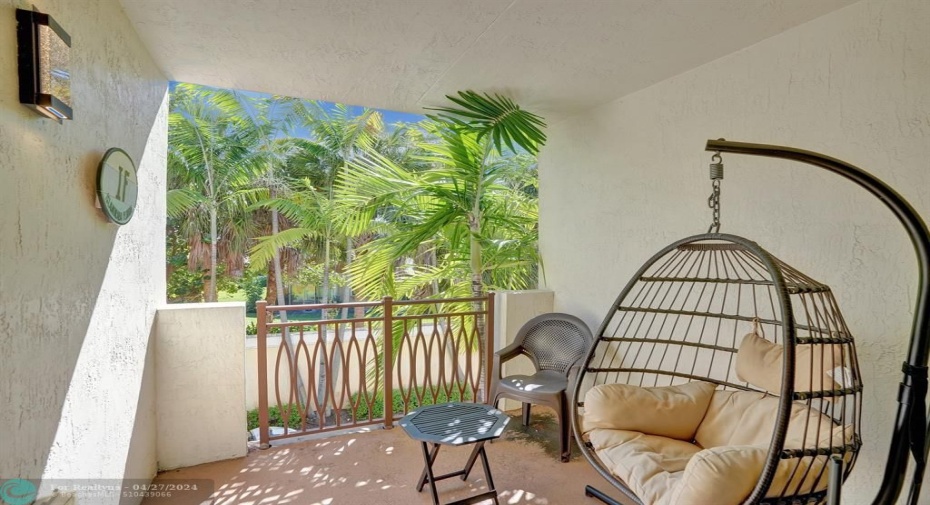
[
  {"x": 542, "y": 431},
  {"x": 382, "y": 467}
]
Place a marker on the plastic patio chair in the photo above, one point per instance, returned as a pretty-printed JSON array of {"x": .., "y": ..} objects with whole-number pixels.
[{"x": 557, "y": 344}]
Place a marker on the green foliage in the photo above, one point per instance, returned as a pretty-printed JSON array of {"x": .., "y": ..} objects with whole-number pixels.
[
  {"x": 377, "y": 408},
  {"x": 409, "y": 211},
  {"x": 252, "y": 329},
  {"x": 254, "y": 287},
  {"x": 184, "y": 284},
  {"x": 275, "y": 417},
  {"x": 469, "y": 214},
  {"x": 316, "y": 223},
  {"x": 311, "y": 274},
  {"x": 213, "y": 162}
]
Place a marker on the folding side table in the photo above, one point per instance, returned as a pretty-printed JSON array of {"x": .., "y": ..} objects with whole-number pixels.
[{"x": 455, "y": 424}]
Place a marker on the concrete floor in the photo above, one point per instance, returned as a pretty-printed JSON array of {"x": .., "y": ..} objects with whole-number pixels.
[{"x": 382, "y": 467}]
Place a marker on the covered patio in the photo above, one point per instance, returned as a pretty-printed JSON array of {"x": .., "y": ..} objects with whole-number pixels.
[{"x": 102, "y": 381}]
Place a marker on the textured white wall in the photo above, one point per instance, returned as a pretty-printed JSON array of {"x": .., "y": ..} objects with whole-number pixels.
[
  {"x": 78, "y": 295},
  {"x": 199, "y": 383},
  {"x": 623, "y": 180}
]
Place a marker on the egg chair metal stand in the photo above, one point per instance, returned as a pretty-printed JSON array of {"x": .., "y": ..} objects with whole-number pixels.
[{"x": 679, "y": 320}]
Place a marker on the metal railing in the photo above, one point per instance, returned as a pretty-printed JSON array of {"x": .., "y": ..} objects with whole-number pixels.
[{"x": 332, "y": 373}]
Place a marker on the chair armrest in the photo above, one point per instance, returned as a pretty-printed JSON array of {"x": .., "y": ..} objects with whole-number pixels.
[
  {"x": 504, "y": 355},
  {"x": 509, "y": 352}
]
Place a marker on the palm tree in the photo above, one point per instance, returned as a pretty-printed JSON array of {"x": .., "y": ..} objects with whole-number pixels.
[
  {"x": 336, "y": 136},
  {"x": 475, "y": 205},
  {"x": 270, "y": 118},
  {"x": 470, "y": 209},
  {"x": 312, "y": 228},
  {"x": 212, "y": 156}
]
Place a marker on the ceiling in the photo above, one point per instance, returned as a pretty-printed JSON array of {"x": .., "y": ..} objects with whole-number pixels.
[{"x": 555, "y": 57}]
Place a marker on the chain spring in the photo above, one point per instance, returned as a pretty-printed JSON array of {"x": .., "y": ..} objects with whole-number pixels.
[{"x": 713, "y": 201}]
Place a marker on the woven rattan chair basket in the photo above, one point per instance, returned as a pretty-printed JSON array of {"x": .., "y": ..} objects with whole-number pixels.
[{"x": 680, "y": 319}]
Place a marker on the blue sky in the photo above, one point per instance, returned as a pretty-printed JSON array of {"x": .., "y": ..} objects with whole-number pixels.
[{"x": 390, "y": 116}]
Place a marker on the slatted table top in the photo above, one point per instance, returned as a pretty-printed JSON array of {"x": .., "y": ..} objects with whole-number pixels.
[{"x": 455, "y": 423}]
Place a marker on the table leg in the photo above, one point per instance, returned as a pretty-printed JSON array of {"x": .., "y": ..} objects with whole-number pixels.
[
  {"x": 429, "y": 457},
  {"x": 487, "y": 472},
  {"x": 429, "y": 464},
  {"x": 471, "y": 459}
]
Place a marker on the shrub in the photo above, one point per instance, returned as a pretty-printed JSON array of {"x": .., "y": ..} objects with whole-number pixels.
[
  {"x": 274, "y": 417},
  {"x": 377, "y": 407},
  {"x": 361, "y": 413},
  {"x": 252, "y": 329},
  {"x": 254, "y": 287}
]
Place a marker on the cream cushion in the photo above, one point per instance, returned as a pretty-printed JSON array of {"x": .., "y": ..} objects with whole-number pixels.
[
  {"x": 650, "y": 465},
  {"x": 727, "y": 475},
  {"x": 736, "y": 418},
  {"x": 724, "y": 464},
  {"x": 760, "y": 362},
  {"x": 672, "y": 411},
  {"x": 720, "y": 475}
]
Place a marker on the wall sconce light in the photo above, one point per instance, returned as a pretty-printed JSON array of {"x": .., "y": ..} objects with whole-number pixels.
[{"x": 44, "y": 65}]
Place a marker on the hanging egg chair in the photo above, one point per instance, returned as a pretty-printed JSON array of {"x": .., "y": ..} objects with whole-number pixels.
[{"x": 721, "y": 375}]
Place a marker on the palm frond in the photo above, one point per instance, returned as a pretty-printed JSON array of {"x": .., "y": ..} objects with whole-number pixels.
[
  {"x": 497, "y": 117},
  {"x": 266, "y": 247},
  {"x": 182, "y": 200}
]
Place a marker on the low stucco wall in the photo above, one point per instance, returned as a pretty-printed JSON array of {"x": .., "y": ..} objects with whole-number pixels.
[{"x": 199, "y": 385}]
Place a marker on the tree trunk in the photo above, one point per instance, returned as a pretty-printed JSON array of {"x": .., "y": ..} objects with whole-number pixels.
[
  {"x": 213, "y": 255},
  {"x": 477, "y": 268},
  {"x": 347, "y": 289},
  {"x": 324, "y": 314},
  {"x": 350, "y": 254},
  {"x": 325, "y": 293},
  {"x": 476, "y": 291},
  {"x": 271, "y": 290},
  {"x": 303, "y": 398},
  {"x": 449, "y": 350},
  {"x": 339, "y": 332}
]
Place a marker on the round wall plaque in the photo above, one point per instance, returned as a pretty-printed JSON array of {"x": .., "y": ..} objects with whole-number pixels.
[{"x": 117, "y": 186}]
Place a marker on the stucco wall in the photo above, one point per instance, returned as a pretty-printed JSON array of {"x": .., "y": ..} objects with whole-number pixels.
[
  {"x": 623, "y": 180},
  {"x": 199, "y": 383},
  {"x": 78, "y": 295}
]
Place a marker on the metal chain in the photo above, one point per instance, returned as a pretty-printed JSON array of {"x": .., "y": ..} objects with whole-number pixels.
[{"x": 716, "y": 175}]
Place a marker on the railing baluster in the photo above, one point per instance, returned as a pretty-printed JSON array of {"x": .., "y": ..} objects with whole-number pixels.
[
  {"x": 262, "y": 343},
  {"x": 388, "y": 393}
]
